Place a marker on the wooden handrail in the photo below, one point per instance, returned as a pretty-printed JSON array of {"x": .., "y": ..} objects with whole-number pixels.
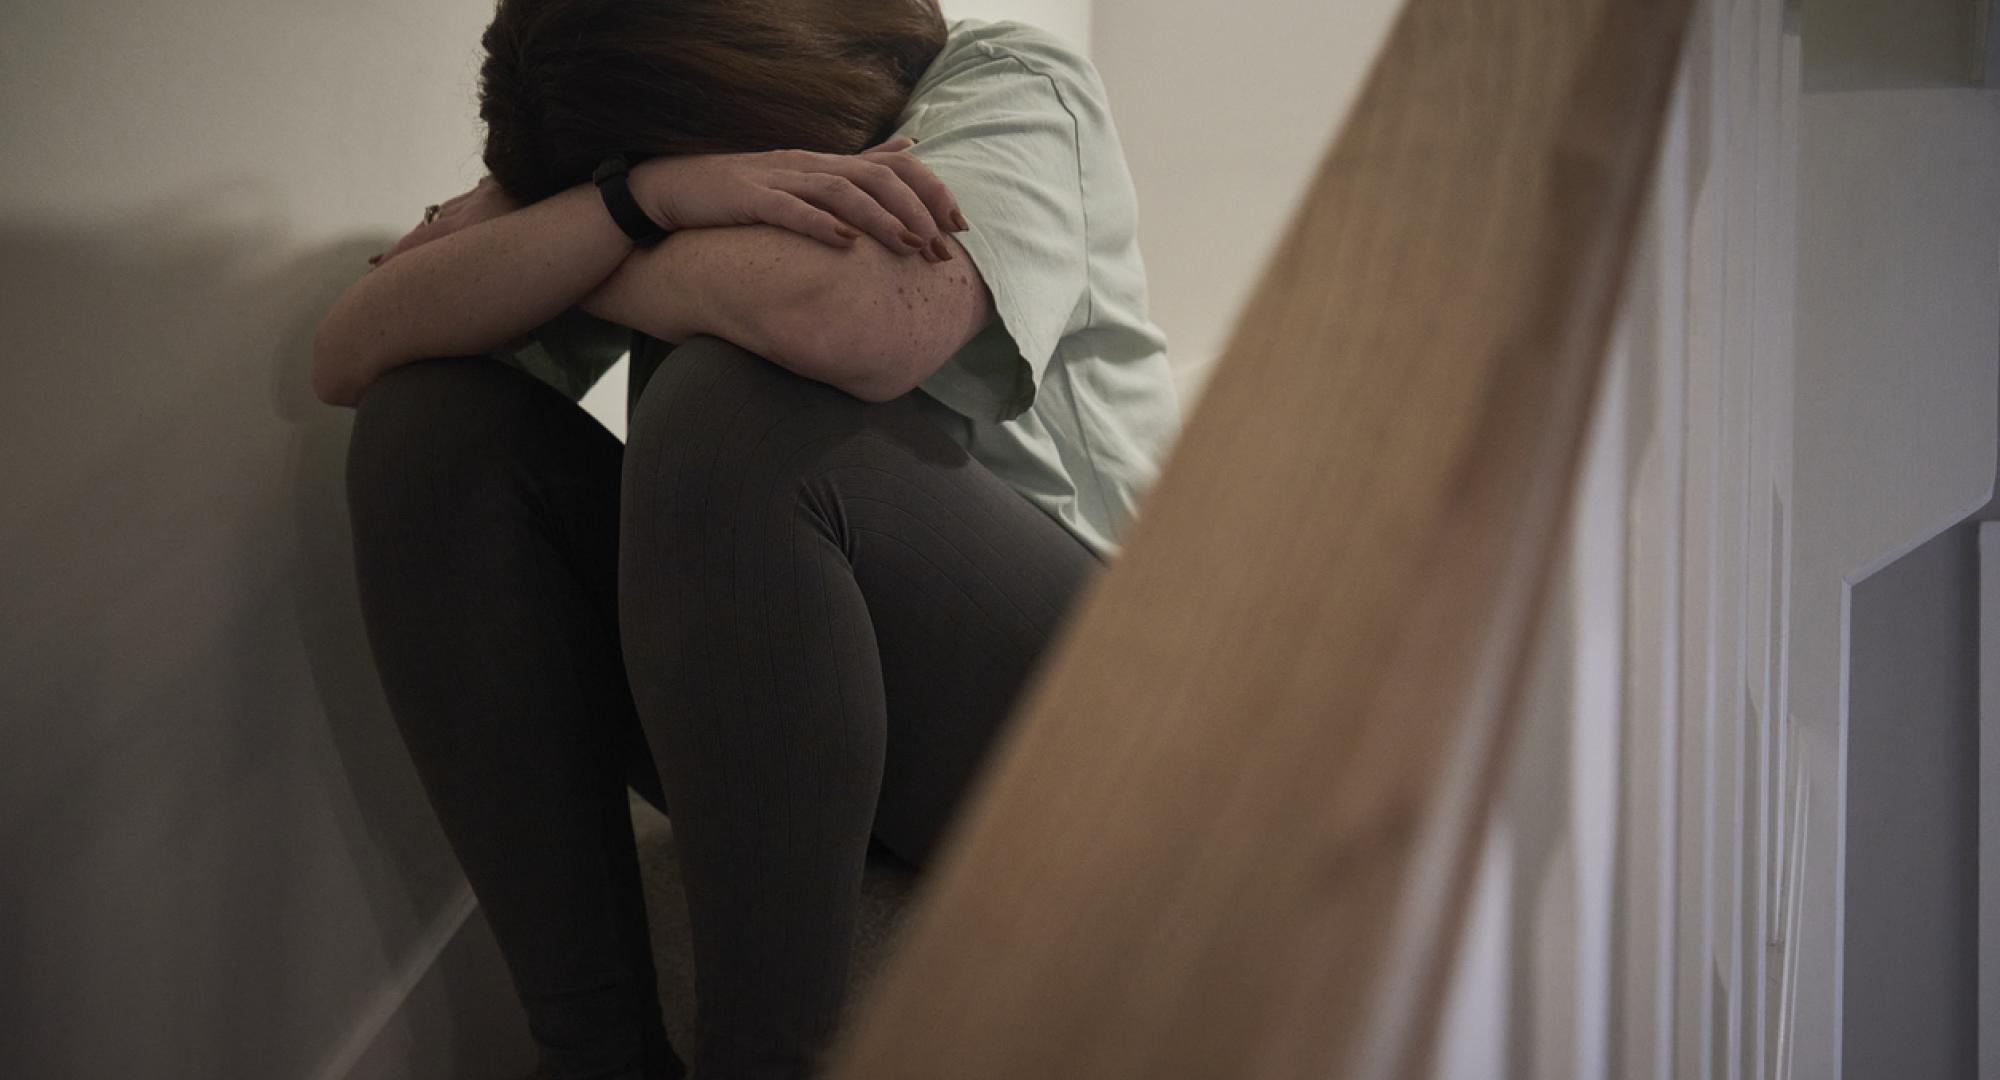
[{"x": 1231, "y": 829}]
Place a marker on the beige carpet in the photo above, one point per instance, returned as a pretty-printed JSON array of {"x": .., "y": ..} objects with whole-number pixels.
[{"x": 885, "y": 888}]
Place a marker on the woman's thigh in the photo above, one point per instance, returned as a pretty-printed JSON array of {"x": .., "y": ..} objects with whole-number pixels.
[
  {"x": 967, "y": 584},
  {"x": 485, "y": 513},
  {"x": 919, "y": 585}
]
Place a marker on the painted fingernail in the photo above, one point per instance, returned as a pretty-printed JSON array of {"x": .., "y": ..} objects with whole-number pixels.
[
  {"x": 958, "y": 220},
  {"x": 943, "y": 252},
  {"x": 913, "y": 239}
]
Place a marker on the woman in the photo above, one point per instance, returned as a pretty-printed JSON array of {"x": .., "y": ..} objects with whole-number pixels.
[{"x": 912, "y": 399}]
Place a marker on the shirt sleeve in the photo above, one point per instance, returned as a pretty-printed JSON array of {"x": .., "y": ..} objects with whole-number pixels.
[
  {"x": 1005, "y": 140},
  {"x": 569, "y": 352}
]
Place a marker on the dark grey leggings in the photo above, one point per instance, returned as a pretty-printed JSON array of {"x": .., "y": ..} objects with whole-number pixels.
[{"x": 816, "y": 610}]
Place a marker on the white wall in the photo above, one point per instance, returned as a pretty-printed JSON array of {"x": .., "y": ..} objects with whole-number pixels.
[
  {"x": 1225, "y": 109},
  {"x": 1897, "y": 416},
  {"x": 1909, "y": 1006},
  {"x": 217, "y": 860},
  {"x": 1898, "y": 408},
  {"x": 1069, "y": 18},
  {"x": 1867, "y": 44}
]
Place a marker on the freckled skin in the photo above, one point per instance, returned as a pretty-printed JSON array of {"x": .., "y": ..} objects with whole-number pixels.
[{"x": 895, "y": 317}]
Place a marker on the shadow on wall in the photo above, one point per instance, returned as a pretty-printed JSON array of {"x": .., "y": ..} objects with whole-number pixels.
[{"x": 218, "y": 857}]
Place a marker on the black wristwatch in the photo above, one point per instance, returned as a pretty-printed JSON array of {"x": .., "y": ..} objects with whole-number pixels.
[{"x": 617, "y": 191}]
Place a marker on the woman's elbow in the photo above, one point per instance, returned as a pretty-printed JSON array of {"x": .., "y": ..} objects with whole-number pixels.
[
  {"x": 342, "y": 395},
  {"x": 872, "y": 373},
  {"x": 878, "y": 392},
  {"x": 332, "y": 390},
  {"x": 331, "y": 376},
  {"x": 866, "y": 362},
  {"x": 883, "y": 379}
]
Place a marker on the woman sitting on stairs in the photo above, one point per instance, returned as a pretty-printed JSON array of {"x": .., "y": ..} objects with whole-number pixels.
[{"x": 903, "y": 398}]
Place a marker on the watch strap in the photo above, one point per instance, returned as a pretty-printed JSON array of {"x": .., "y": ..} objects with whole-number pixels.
[{"x": 612, "y": 179}]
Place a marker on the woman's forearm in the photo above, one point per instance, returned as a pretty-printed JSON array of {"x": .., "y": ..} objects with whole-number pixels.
[
  {"x": 868, "y": 320},
  {"x": 467, "y": 292}
]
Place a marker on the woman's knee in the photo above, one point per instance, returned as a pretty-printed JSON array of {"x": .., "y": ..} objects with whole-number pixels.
[
  {"x": 697, "y": 390},
  {"x": 715, "y": 408}
]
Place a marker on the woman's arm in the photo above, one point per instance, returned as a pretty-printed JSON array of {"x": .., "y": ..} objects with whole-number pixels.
[
  {"x": 468, "y": 291},
  {"x": 857, "y": 313},
  {"x": 451, "y": 289},
  {"x": 868, "y": 320}
]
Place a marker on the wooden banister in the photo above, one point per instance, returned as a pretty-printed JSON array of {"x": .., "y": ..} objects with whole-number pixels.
[{"x": 1231, "y": 828}]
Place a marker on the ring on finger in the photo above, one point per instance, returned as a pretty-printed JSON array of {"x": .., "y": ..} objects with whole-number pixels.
[{"x": 431, "y": 213}]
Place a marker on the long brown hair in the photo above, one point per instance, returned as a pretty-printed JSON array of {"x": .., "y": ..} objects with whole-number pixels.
[{"x": 567, "y": 82}]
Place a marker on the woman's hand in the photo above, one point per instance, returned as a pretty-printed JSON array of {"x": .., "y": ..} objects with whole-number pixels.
[
  {"x": 833, "y": 198},
  {"x": 485, "y": 201}
]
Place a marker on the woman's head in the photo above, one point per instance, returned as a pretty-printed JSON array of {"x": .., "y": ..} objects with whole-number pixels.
[{"x": 567, "y": 82}]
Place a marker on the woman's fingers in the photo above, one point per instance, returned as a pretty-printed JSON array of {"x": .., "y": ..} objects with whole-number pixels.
[
  {"x": 918, "y": 177},
  {"x": 409, "y": 240},
  {"x": 905, "y": 187},
  {"x": 445, "y": 222},
  {"x": 863, "y": 209},
  {"x": 788, "y": 211},
  {"x": 886, "y": 186},
  {"x": 834, "y": 198}
]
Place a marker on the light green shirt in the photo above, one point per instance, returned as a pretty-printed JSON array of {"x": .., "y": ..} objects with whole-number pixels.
[{"x": 1067, "y": 396}]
